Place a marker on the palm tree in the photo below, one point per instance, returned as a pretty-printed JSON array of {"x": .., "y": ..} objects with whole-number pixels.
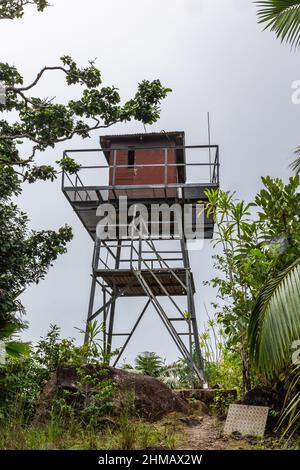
[
  {"x": 149, "y": 363},
  {"x": 283, "y": 18},
  {"x": 295, "y": 165},
  {"x": 8, "y": 330},
  {"x": 273, "y": 329},
  {"x": 275, "y": 321}
]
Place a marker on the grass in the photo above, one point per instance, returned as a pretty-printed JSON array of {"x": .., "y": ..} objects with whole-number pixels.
[{"x": 128, "y": 435}]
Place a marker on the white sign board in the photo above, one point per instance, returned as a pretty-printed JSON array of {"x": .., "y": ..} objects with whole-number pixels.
[{"x": 247, "y": 420}]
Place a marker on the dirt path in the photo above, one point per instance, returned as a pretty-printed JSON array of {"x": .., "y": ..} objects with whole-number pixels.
[{"x": 207, "y": 436}]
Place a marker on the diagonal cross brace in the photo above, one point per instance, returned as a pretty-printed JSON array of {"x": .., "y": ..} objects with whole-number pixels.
[{"x": 176, "y": 338}]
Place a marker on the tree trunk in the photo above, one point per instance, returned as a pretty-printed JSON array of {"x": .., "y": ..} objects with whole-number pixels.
[{"x": 246, "y": 386}]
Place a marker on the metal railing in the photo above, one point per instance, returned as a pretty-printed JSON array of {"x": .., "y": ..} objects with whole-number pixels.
[
  {"x": 210, "y": 170},
  {"x": 137, "y": 254}
]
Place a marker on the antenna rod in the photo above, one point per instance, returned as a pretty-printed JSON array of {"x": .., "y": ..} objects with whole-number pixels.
[{"x": 209, "y": 143}]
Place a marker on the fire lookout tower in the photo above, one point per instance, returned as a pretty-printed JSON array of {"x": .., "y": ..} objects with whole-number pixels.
[{"x": 147, "y": 169}]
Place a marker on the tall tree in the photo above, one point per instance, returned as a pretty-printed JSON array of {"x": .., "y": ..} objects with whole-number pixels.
[
  {"x": 25, "y": 256},
  {"x": 257, "y": 241},
  {"x": 283, "y": 17},
  {"x": 10, "y": 9},
  {"x": 275, "y": 321},
  {"x": 149, "y": 363}
]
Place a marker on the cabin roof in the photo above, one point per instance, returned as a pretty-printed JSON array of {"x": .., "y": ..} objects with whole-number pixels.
[{"x": 177, "y": 136}]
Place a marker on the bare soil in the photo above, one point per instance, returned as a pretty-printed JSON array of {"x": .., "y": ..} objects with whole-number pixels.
[{"x": 207, "y": 435}]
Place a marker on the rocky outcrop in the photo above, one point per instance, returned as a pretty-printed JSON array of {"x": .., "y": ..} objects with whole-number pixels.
[
  {"x": 206, "y": 395},
  {"x": 150, "y": 398}
]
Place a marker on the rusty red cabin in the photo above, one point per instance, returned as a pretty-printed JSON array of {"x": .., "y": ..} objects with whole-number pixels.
[{"x": 141, "y": 162}]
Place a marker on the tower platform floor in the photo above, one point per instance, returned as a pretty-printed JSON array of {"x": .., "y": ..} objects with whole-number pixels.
[{"x": 162, "y": 282}]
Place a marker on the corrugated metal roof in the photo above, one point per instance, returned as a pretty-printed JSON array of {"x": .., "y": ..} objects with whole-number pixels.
[{"x": 144, "y": 135}]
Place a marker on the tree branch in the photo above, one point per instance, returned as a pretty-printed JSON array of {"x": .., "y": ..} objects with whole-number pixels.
[{"x": 38, "y": 77}]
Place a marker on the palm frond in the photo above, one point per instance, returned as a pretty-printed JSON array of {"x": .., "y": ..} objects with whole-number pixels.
[
  {"x": 15, "y": 349},
  {"x": 283, "y": 18},
  {"x": 275, "y": 321},
  {"x": 295, "y": 165},
  {"x": 290, "y": 416}
]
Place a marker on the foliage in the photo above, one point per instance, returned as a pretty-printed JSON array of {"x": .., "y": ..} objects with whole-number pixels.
[
  {"x": 44, "y": 123},
  {"x": 283, "y": 18},
  {"x": 70, "y": 425},
  {"x": 221, "y": 403},
  {"x": 275, "y": 321},
  {"x": 25, "y": 255},
  {"x": 149, "y": 363},
  {"x": 13, "y": 348},
  {"x": 226, "y": 373},
  {"x": 223, "y": 367},
  {"x": 295, "y": 165},
  {"x": 10, "y": 9},
  {"x": 274, "y": 329},
  {"x": 22, "y": 379},
  {"x": 290, "y": 416},
  {"x": 257, "y": 240},
  {"x": 53, "y": 435},
  {"x": 178, "y": 375}
]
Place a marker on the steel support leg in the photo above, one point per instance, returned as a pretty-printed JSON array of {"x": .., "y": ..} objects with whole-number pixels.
[
  {"x": 113, "y": 305},
  {"x": 91, "y": 306},
  {"x": 192, "y": 310}
]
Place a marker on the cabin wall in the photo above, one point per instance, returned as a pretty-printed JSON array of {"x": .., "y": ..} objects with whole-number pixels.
[{"x": 146, "y": 175}]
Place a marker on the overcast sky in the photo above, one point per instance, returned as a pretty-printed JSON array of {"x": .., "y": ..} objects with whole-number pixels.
[{"x": 215, "y": 57}]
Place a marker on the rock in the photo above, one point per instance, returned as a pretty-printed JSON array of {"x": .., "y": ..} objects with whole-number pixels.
[
  {"x": 201, "y": 408},
  {"x": 206, "y": 395},
  {"x": 149, "y": 398},
  {"x": 262, "y": 395},
  {"x": 217, "y": 387},
  {"x": 192, "y": 421},
  {"x": 236, "y": 435}
]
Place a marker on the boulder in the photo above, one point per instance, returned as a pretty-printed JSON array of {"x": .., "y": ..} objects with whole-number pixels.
[
  {"x": 192, "y": 421},
  {"x": 206, "y": 395},
  {"x": 263, "y": 395},
  {"x": 201, "y": 408},
  {"x": 150, "y": 398}
]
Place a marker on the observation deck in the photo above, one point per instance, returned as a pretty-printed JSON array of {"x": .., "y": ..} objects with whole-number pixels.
[{"x": 155, "y": 176}]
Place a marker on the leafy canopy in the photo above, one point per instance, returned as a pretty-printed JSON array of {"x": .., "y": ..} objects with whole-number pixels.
[
  {"x": 11, "y": 9},
  {"x": 26, "y": 255},
  {"x": 257, "y": 241},
  {"x": 149, "y": 363},
  {"x": 44, "y": 123}
]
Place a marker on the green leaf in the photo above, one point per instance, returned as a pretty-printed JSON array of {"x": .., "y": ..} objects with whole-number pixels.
[
  {"x": 283, "y": 18},
  {"x": 16, "y": 349},
  {"x": 275, "y": 321}
]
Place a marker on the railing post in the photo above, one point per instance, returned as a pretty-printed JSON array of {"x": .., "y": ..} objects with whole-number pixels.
[
  {"x": 76, "y": 179},
  {"x": 166, "y": 166},
  {"x": 114, "y": 169},
  {"x": 96, "y": 254}
]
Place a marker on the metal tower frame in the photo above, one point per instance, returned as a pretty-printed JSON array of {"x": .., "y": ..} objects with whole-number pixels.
[
  {"x": 149, "y": 274},
  {"x": 139, "y": 267}
]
